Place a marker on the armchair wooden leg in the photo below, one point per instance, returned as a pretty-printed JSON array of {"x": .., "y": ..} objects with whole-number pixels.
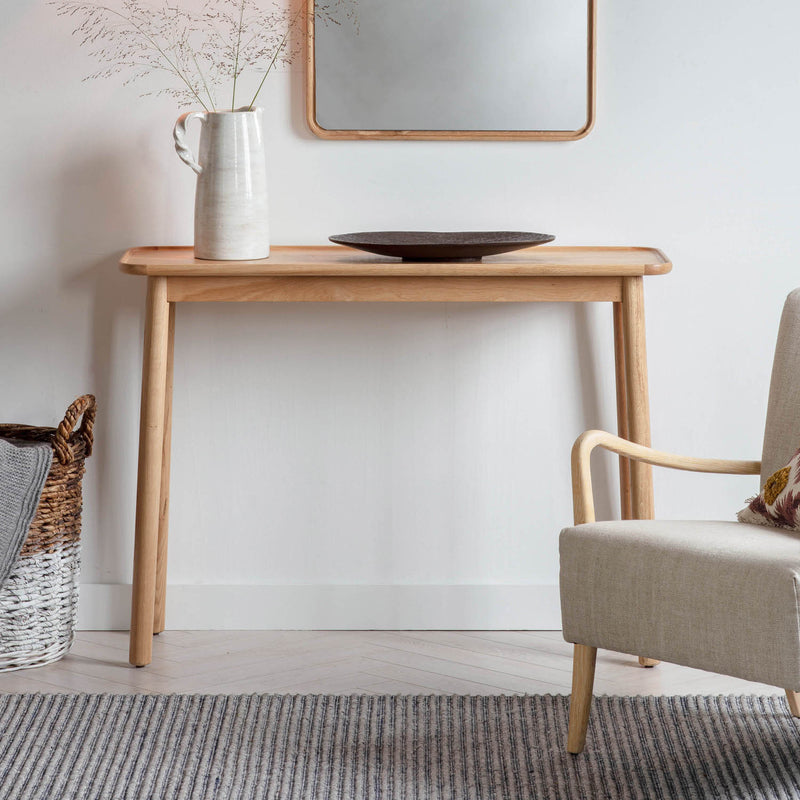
[
  {"x": 793, "y": 699},
  {"x": 648, "y": 662},
  {"x": 580, "y": 702}
]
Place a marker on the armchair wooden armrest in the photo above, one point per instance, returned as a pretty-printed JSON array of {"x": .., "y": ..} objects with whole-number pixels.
[{"x": 582, "y": 497}]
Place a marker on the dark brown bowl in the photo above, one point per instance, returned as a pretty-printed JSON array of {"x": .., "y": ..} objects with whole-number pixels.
[{"x": 441, "y": 246}]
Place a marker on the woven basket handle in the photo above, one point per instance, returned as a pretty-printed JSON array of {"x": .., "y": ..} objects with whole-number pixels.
[{"x": 86, "y": 407}]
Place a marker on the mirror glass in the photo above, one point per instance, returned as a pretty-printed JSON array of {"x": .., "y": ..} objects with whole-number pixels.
[{"x": 408, "y": 66}]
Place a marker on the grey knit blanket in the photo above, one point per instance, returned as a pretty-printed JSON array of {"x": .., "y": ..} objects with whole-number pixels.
[{"x": 23, "y": 470}]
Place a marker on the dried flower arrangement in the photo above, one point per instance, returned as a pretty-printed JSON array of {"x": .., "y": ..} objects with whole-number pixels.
[{"x": 204, "y": 49}]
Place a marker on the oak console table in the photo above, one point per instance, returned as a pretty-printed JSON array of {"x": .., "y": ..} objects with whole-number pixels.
[{"x": 339, "y": 274}]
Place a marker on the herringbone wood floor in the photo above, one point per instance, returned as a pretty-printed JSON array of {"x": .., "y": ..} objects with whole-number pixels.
[{"x": 345, "y": 662}]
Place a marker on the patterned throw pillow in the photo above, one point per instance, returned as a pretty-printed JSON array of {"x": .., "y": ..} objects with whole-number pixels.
[{"x": 779, "y": 501}]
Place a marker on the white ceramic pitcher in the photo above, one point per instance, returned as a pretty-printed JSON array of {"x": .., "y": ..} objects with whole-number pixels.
[{"x": 230, "y": 209}]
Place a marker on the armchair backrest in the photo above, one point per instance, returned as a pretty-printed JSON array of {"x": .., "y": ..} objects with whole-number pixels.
[{"x": 782, "y": 433}]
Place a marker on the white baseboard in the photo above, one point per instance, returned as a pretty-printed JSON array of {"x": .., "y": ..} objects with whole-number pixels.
[{"x": 331, "y": 607}]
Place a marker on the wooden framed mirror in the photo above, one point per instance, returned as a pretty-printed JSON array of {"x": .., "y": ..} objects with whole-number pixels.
[{"x": 452, "y": 69}]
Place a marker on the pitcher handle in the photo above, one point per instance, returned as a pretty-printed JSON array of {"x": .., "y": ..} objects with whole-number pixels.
[{"x": 179, "y": 134}]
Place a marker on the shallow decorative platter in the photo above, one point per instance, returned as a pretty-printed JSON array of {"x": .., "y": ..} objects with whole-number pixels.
[{"x": 441, "y": 246}]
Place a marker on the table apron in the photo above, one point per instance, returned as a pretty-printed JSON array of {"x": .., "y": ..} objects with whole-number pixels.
[{"x": 395, "y": 289}]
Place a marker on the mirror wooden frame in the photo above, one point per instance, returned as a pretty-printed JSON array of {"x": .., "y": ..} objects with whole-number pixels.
[{"x": 448, "y": 135}]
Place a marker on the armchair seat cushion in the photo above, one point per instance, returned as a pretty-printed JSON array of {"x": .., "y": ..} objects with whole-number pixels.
[{"x": 721, "y": 596}]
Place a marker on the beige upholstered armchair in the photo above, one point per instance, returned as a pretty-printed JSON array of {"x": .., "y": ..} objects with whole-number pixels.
[{"x": 720, "y": 596}]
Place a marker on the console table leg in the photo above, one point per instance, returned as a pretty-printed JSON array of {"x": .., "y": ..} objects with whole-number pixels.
[
  {"x": 151, "y": 444},
  {"x": 163, "y": 518},
  {"x": 637, "y": 394},
  {"x": 626, "y": 509},
  {"x": 638, "y": 399}
]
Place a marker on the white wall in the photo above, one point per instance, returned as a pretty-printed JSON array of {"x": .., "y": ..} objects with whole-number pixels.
[{"x": 401, "y": 466}]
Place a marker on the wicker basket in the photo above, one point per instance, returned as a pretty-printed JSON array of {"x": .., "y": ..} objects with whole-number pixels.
[{"x": 39, "y": 600}]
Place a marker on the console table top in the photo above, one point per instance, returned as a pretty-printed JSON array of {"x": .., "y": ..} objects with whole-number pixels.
[{"x": 336, "y": 260}]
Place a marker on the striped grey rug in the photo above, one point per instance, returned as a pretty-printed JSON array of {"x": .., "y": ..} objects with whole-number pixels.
[{"x": 59, "y": 747}]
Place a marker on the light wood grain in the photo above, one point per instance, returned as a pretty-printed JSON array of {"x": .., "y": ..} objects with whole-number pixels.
[
  {"x": 390, "y": 289},
  {"x": 443, "y": 135},
  {"x": 151, "y": 444},
  {"x": 329, "y": 260},
  {"x": 793, "y": 699},
  {"x": 637, "y": 394},
  {"x": 625, "y": 502},
  {"x": 580, "y": 702},
  {"x": 582, "y": 496},
  {"x": 338, "y": 274},
  {"x": 345, "y": 662},
  {"x": 166, "y": 453},
  {"x": 638, "y": 403}
]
